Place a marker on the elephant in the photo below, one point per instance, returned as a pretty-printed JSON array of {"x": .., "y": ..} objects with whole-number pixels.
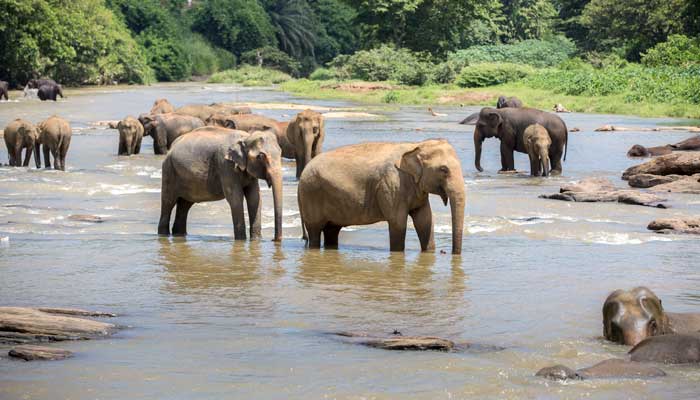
[
  {"x": 204, "y": 112},
  {"x": 370, "y": 182},
  {"x": 49, "y": 92},
  {"x": 214, "y": 163},
  {"x": 165, "y": 128},
  {"x": 506, "y": 102},
  {"x": 4, "y": 90},
  {"x": 690, "y": 144},
  {"x": 509, "y": 124},
  {"x": 162, "y": 106},
  {"x": 20, "y": 134},
  {"x": 130, "y": 136},
  {"x": 231, "y": 109},
  {"x": 632, "y": 316},
  {"x": 537, "y": 143},
  {"x": 54, "y": 135},
  {"x": 37, "y": 83},
  {"x": 668, "y": 349}
]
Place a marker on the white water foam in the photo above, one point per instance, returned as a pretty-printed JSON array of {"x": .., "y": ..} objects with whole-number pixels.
[{"x": 119, "y": 190}]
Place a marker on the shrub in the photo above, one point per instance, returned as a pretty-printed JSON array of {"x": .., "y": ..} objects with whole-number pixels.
[
  {"x": 249, "y": 75},
  {"x": 678, "y": 50},
  {"x": 384, "y": 63},
  {"x": 538, "y": 53},
  {"x": 322, "y": 74},
  {"x": 272, "y": 58},
  {"x": 443, "y": 73},
  {"x": 205, "y": 59},
  {"x": 391, "y": 97},
  {"x": 482, "y": 75},
  {"x": 167, "y": 57}
]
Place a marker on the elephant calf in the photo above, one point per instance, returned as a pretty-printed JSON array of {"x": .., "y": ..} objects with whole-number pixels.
[
  {"x": 130, "y": 136},
  {"x": 214, "y": 163},
  {"x": 537, "y": 142},
  {"x": 165, "y": 128},
  {"x": 49, "y": 92},
  {"x": 162, "y": 106},
  {"x": 54, "y": 135},
  {"x": 371, "y": 182},
  {"x": 20, "y": 134},
  {"x": 4, "y": 90},
  {"x": 508, "y": 102}
]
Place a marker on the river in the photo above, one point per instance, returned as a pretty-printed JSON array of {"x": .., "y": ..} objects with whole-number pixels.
[{"x": 209, "y": 318}]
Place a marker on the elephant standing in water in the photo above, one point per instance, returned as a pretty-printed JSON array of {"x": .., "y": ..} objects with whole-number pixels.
[
  {"x": 130, "y": 136},
  {"x": 162, "y": 106},
  {"x": 4, "y": 90},
  {"x": 49, "y": 92},
  {"x": 37, "y": 83},
  {"x": 165, "y": 128},
  {"x": 537, "y": 144},
  {"x": 509, "y": 124},
  {"x": 20, "y": 134},
  {"x": 55, "y": 135},
  {"x": 214, "y": 163},
  {"x": 370, "y": 182}
]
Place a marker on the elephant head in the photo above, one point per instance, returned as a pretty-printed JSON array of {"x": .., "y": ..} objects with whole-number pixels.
[
  {"x": 162, "y": 106},
  {"x": 221, "y": 119},
  {"x": 436, "y": 169},
  {"x": 306, "y": 133},
  {"x": 501, "y": 103},
  {"x": 488, "y": 125},
  {"x": 638, "y": 151},
  {"x": 631, "y": 316},
  {"x": 259, "y": 155}
]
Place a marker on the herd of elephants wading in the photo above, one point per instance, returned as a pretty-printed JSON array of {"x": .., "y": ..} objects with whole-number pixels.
[{"x": 221, "y": 151}]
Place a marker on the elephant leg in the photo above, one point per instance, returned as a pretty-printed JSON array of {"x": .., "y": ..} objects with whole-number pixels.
[
  {"x": 330, "y": 236},
  {"x": 314, "y": 235},
  {"x": 18, "y": 154},
  {"x": 252, "y": 199},
  {"x": 47, "y": 158},
  {"x": 27, "y": 156},
  {"x": 507, "y": 160},
  {"x": 63, "y": 151},
  {"x": 181, "y": 211},
  {"x": 122, "y": 148},
  {"x": 137, "y": 148},
  {"x": 555, "y": 159},
  {"x": 11, "y": 155},
  {"x": 56, "y": 158},
  {"x": 234, "y": 196},
  {"x": 397, "y": 234},
  {"x": 423, "y": 223}
]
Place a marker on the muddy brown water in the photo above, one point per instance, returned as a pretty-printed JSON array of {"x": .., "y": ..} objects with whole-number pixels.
[{"x": 210, "y": 318}]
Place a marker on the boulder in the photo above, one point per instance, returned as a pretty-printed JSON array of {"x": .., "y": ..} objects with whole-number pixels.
[
  {"x": 594, "y": 190},
  {"x": 31, "y": 353},
  {"x": 28, "y": 325},
  {"x": 690, "y": 225},
  {"x": 588, "y": 185},
  {"x": 397, "y": 341},
  {"x": 679, "y": 163},
  {"x": 668, "y": 349},
  {"x": 649, "y": 180},
  {"x": 558, "y": 373}
]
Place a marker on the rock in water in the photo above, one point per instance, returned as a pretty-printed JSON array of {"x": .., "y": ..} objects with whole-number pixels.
[
  {"x": 415, "y": 343},
  {"x": 616, "y": 368},
  {"x": 688, "y": 225},
  {"x": 75, "y": 311},
  {"x": 668, "y": 349},
  {"x": 26, "y": 325},
  {"x": 86, "y": 218},
  {"x": 594, "y": 190},
  {"x": 558, "y": 373},
  {"x": 31, "y": 353},
  {"x": 680, "y": 163}
]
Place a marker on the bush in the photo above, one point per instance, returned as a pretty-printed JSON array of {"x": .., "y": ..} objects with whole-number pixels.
[
  {"x": 391, "y": 97},
  {"x": 443, "y": 73},
  {"x": 384, "y": 64},
  {"x": 482, "y": 75},
  {"x": 249, "y": 75},
  {"x": 205, "y": 59},
  {"x": 272, "y": 58},
  {"x": 322, "y": 74},
  {"x": 167, "y": 57},
  {"x": 678, "y": 50},
  {"x": 538, "y": 53}
]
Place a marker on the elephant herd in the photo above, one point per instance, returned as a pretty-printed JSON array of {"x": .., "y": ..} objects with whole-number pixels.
[
  {"x": 47, "y": 89},
  {"x": 54, "y": 134}
]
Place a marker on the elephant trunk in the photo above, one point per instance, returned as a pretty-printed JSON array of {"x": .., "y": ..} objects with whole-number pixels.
[
  {"x": 457, "y": 197},
  {"x": 478, "y": 140},
  {"x": 276, "y": 179},
  {"x": 545, "y": 163}
]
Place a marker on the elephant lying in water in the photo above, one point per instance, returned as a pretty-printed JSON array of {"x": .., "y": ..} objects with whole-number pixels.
[
  {"x": 214, "y": 163},
  {"x": 691, "y": 144},
  {"x": 370, "y": 182},
  {"x": 20, "y": 134}
]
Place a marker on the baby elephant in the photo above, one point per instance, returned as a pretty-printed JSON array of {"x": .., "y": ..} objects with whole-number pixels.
[
  {"x": 54, "y": 134},
  {"x": 537, "y": 142},
  {"x": 21, "y": 134},
  {"x": 632, "y": 316},
  {"x": 130, "y": 136}
]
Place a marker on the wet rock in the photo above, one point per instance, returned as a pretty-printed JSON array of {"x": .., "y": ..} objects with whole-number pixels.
[
  {"x": 649, "y": 180},
  {"x": 668, "y": 349},
  {"x": 575, "y": 129},
  {"x": 594, "y": 190},
  {"x": 32, "y": 353},
  {"x": 76, "y": 311},
  {"x": 690, "y": 225},
  {"x": 397, "y": 341},
  {"x": 617, "y": 368},
  {"x": 26, "y": 325},
  {"x": 690, "y": 185},
  {"x": 86, "y": 218},
  {"x": 589, "y": 185},
  {"x": 558, "y": 373},
  {"x": 680, "y": 163}
]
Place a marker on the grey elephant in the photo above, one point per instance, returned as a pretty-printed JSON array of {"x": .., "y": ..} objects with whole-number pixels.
[
  {"x": 690, "y": 144},
  {"x": 130, "y": 136},
  {"x": 537, "y": 144},
  {"x": 162, "y": 106},
  {"x": 632, "y": 316},
  {"x": 509, "y": 124},
  {"x": 37, "y": 83},
  {"x": 20, "y": 134},
  {"x": 50, "y": 92},
  {"x": 55, "y": 136},
  {"x": 203, "y": 111},
  {"x": 165, "y": 128},
  {"x": 372, "y": 182},
  {"x": 4, "y": 90},
  {"x": 508, "y": 102},
  {"x": 213, "y": 163}
]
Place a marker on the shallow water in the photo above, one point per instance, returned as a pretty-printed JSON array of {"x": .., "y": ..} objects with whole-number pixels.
[{"x": 210, "y": 318}]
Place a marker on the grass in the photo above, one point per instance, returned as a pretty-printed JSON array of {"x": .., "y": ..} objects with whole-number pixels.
[{"x": 248, "y": 75}]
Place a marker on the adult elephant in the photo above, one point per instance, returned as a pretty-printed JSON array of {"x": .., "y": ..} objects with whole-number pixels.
[
  {"x": 165, "y": 128},
  {"x": 162, "y": 106},
  {"x": 502, "y": 102},
  {"x": 130, "y": 136},
  {"x": 37, "y": 83},
  {"x": 54, "y": 135},
  {"x": 509, "y": 124},
  {"x": 50, "y": 92},
  {"x": 214, "y": 163},
  {"x": 20, "y": 134},
  {"x": 4, "y": 90},
  {"x": 370, "y": 182},
  {"x": 632, "y": 316}
]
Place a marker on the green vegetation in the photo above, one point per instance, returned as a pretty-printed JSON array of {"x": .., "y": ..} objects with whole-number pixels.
[
  {"x": 538, "y": 53},
  {"x": 483, "y": 75},
  {"x": 248, "y": 75}
]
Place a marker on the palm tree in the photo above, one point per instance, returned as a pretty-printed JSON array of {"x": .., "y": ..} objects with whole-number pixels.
[{"x": 293, "y": 21}]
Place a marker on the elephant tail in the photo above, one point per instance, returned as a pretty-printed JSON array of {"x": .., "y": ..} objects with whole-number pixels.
[{"x": 566, "y": 141}]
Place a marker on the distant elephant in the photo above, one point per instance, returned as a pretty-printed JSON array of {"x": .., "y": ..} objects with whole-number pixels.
[
  {"x": 537, "y": 143},
  {"x": 165, "y": 128},
  {"x": 506, "y": 102},
  {"x": 632, "y": 316},
  {"x": 20, "y": 134},
  {"x": 162, "y": 106},
  {"x": 130, "y": 136},
  {"x": 690, "y": 144},
  {"x": 49, "y": 92},
  {"x": 200, "y": 111},
  {"x": 640, "y": 151},
  {"x": 37, "y": 83},
  {"x": 230, "y": 109},
  {"x": 4, "y": 90},
  {"x": 55, "y": 135},
  {"x": 371, "y": 182},
  {"x": 509, "y": 124},
  {"x": 214, "y": 163}
]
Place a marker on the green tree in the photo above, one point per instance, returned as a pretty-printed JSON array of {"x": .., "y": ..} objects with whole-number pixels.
[
  {"x": 528, "y": 19},
  {"x": 339, "y": 33},
  {"x": 295, "y": 26},
  {"x": 569, "y": 21}
]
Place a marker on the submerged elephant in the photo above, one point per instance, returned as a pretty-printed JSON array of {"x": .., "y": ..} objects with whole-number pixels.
[
  {"x": 371, "y": 182},
  {"x": 55, "y": 135},
  {"x": 537, "y": 144},
  {"x": 130, "y": 136},
  {"x": 690, "y": 144},
  {"x": 162, "y": 106},
  {"x": 49, "y": 92},
  {"x": 4, "y": 90},
  {"x": 214, "y": 163},
  {"x": 20, "y": 134},
  {"x": 632, "y": 316},
  {"x": 508, "y": 102},
  {"x": 509, "y": 124},
  {"x": 165, "y": 128}
]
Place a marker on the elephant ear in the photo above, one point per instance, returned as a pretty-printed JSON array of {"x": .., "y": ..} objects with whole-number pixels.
[
  {"x": 294, "y": 131},
  {"x": 493, "y": 119},
  {"x": 412, "y": 164},
  {"x": 230, "y": 123},
  {"x": 238, "y": 154}
]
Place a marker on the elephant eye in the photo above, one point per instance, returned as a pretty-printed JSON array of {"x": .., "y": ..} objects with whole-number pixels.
[
  {"x": 445, "y": 169},
  {"x": 653, "y": 327}
]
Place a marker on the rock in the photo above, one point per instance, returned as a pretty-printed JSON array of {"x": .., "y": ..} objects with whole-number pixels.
[
  {"x": 76, "y": 311},
  {"x": 594, "y": 190},
  {"x": 668, "y": 349},
  {"x": 575, "y": 130},
  {"x": 589, "y": 185},
  {"x": 649, "y": 180},
  {"x": 414, "y": 343},
  {"x": 689, "y": 185},
  {"x": 680, "y": 163},
  {"x": 86, "y": 218},
  {"x": 616, "y": 368},
  {"x": 558, "y": 373},
  {"x": 25, "y": 325},
  {"x": 31, "y": 353},
  {"x": 348, "y": 114},
  {"x": 688, "y": 225}
]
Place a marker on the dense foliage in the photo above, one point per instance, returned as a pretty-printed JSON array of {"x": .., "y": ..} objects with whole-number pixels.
[
  {"x": 538, "y": 53},
  {"x": 482, "y": 75}
]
